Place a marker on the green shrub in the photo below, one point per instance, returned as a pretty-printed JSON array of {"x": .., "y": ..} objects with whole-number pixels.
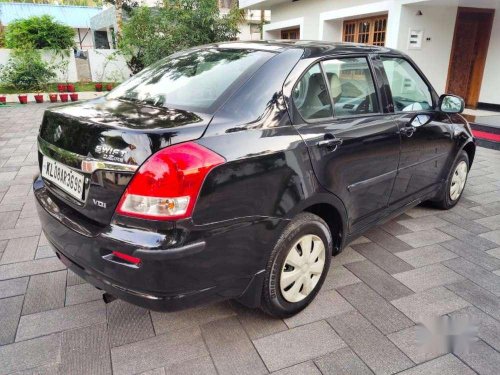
[
  {"x": 26, "y": 71},
  {"x": 39, "y": 33}
]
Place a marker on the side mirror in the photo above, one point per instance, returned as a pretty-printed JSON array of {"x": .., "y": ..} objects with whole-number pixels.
[{"x": 451, "y": 104}]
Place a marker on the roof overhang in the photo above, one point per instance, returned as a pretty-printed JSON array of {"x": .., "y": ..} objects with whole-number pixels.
[{"x": 261, "y": 4}]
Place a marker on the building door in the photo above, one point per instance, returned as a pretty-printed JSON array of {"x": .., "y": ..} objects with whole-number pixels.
[
  {"x": 468, "y": 53},
  {"x": 290, "y": 34}
]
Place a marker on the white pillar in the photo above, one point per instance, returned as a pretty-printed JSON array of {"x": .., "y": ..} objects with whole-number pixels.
[{"x": 393, "y": 24}]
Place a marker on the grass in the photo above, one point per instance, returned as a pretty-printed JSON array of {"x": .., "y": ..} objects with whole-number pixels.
[{"x": 52, "y": 87}]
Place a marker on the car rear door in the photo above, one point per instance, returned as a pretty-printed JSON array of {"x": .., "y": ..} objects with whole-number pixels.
[
  {"x": 426, "y": 134},
  {"x": 352, "y": 143}
]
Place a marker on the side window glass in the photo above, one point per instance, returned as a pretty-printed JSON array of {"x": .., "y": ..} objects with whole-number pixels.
[
  {"x": 310, "y": 95},
  {"x": 351, "y": 86},
  {"x": 409, "y": 91}
]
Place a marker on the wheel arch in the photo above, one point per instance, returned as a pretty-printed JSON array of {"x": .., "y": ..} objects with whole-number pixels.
[
  {"x": 332, "y": 217},
  {"x": 470, "y": 149}
]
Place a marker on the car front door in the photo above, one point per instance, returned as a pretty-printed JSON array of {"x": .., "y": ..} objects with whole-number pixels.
[
  {"x": 426, "y": 134},
  {"x": 353, "y": 145}
]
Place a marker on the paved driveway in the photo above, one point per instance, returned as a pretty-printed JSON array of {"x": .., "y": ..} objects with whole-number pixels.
[{"x": 425, "y": 263}]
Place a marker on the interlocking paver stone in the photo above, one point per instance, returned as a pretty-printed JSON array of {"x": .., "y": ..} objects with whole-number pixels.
[
  {"x": 86, "y": 351},
  {"x": 477, "y": 296},
  {"x": 45, "y": 292},
  {"x": 383, "y": 283},
  {"x": 326, "y": 304},
  {"x": 476, "y": 274},
  {"x": 158, "y": 351},
  {"x": 342, "y": 362},
  {"x": 30, "y": 354},
  {"x": 306, "y": 368},
  {"x": 377, "y": 310},
  {"x": 256, "y": 323},
  {"x": 10, "y": 310},
  {"x": 164, "y": 323},
  {"x": 82, "y": 293},
  {"x": 430, "y": 303},
  {"x": 488, "y": 329},
  {"x": 338, "y": 277},
  {"x": 445, "y": 365},
  {"x": 200, "y": 365},
  {"x": 32, "y": 267},
  {"x": 298, "y": 345},
  {"x": 424, "y": 238},
  {"x": 51, "y": 321},
  {"x": 380, "y": 354},
  {"x": 13, "y": 287},
  {"x": 473, "y": 254},
  {"x": 19, "y": 250},
  {"x": 423, "y": 223},
  {"x": 387, "y": 241},
  {"x": 389, "y": 262},
  {"x": 493, "y": 236},
  {"x": 465, "y": 236},
  {"x": 428, "y": 277},
  {"x": 481, "y": 358},
  {"x": 231, "y": 349},
  {"x": 423, "y": 256},
  {"x": 128, "y": 323}
]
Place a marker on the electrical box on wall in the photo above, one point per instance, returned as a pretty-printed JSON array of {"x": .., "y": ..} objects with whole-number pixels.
[{"x": 415, "y": 38}]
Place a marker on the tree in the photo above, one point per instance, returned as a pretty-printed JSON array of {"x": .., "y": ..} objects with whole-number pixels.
[
  {"x": 154, "y": 33},
  {"x": 39, "y": 33}
]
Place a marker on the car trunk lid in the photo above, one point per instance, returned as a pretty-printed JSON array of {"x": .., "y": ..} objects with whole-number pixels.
[{"x": 104, "y": 141}]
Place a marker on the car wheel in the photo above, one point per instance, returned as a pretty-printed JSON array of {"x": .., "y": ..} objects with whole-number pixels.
[
  {"x": 298, "y": 266},
  {"x": 455, "y": 183}
]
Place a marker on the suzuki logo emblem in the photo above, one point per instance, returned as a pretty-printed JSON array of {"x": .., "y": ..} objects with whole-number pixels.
[{"x": 57, "y": 133}]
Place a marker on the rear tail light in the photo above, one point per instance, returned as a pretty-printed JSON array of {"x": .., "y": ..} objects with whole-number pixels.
[{"x": 166, "y": 186}]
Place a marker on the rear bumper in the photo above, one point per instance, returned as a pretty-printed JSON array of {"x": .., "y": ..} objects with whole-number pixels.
[{"x": 211, "y": 263}]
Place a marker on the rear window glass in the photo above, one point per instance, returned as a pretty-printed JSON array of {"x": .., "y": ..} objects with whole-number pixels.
[{"x": 196, "y": 81}]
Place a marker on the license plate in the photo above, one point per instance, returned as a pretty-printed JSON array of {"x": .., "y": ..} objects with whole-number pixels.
[{"x": 63, "y": 177}]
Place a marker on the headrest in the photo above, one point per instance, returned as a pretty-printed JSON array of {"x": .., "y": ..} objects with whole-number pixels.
[{"x": 335, "y": 86}]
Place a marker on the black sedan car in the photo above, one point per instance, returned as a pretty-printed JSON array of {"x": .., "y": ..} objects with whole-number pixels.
[{"x": 237, "y": 170}]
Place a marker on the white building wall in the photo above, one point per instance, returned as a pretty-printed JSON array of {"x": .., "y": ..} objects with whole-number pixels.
[
  {"x": 438, "y": 24},
  {"x": 490, "y": 92},
  {"x": 62, "y": 74},
  {"x": 107, "y": 65},
  {"x": 308, "y": 11}
]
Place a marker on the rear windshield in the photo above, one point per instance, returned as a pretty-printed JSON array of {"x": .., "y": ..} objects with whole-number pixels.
[{"x": 197, "y": 80}]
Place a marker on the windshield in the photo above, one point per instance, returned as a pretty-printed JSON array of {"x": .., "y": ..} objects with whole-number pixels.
[{"x": 195, "y": 80}]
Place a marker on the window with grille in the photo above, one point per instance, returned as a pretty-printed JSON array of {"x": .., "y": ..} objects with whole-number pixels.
[{"x": 366, "y": 30}]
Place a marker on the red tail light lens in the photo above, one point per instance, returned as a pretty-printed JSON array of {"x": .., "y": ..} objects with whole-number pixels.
[{"x": 166, "y": 186}]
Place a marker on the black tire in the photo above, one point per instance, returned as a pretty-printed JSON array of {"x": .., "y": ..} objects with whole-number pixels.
[
  {"x": 273, "y": 302},
  {"x": 445, "y": 202}
]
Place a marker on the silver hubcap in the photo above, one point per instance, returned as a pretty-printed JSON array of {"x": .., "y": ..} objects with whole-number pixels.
[
  {"x": 302, "y": 269},
  {"x": 458, "y": 180}
]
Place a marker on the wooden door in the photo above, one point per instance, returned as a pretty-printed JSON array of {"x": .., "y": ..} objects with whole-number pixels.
[
  {"x": 468, "y": 54},
  {"x": 290, "y": 34}
]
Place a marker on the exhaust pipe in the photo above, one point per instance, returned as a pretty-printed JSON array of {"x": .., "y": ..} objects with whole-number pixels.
[{"x": 108, "y": 298}]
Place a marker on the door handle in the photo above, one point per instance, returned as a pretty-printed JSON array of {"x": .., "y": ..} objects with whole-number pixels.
[
  {"x": 330, "y": 142},
  {"x": 407, "y": 131}
]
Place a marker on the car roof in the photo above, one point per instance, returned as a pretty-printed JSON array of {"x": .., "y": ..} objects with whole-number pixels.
[{"x": 312, "y": 48}]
